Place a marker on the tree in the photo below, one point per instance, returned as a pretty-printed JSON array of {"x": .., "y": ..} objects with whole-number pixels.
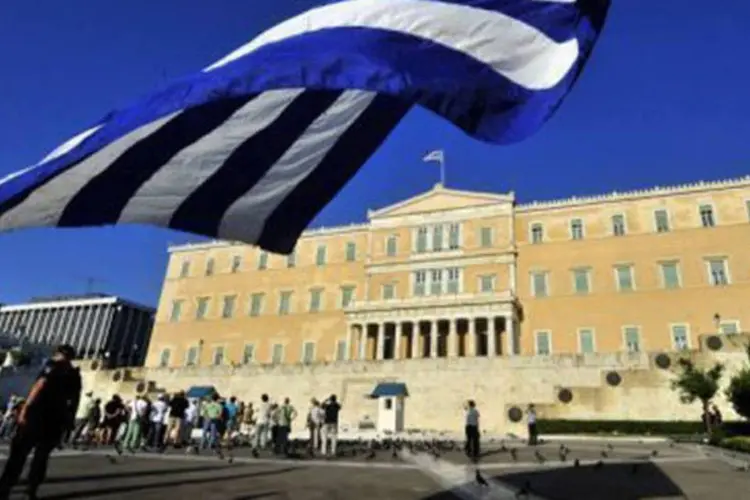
[
  {"x": 738, "y": 391},
  {"x": 696, "y": 384}
]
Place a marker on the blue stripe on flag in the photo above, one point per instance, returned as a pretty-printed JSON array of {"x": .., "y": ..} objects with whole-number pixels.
[{"x": 102, "y": 200}]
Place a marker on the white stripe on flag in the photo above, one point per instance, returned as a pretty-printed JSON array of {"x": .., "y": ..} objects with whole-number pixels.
[
  {"x": 437, "y": 155},
  {"x": 158, "y": 199},
  {"x": 511, "y": 47},
  {"x": 70, "y": 144},
  {"x": 292, "y": 168},
  {"x": 45, "y": 205}
]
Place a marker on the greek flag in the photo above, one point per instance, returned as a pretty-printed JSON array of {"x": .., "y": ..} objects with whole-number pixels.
[{"x": 252, "y": 147}]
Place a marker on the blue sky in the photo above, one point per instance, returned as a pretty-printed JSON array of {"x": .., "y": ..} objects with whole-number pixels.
[{"x": 664, "y": 100}]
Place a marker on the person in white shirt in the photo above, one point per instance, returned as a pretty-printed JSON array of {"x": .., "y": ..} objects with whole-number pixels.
[
  {"x": 158, "y": 417},
  {"x": 263, "y": 425},
  {"x": 472, "y": 431},
  {"x": 137, "y": 420},
  {"x": 531, "y": 419},
  {"x": 190, "y": 421},
  {"x": 315, "y": 417}
]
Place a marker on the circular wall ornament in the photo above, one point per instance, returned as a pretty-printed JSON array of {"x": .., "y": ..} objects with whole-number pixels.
[
  {"x": 117, "y": 376},
  {"x": 515, "y": 414},
  {"x": 565, "y": 396},
  {"x": 614, "y": 379},
  {"x": 714, "y": 343},
  {"x": 94, "y": 365},
  {"x": 663, "y": 361},
  {"x": 141, "y": 387}
]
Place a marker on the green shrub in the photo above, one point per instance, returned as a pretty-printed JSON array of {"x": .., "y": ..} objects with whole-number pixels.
[
  {"x": 737, "y": 443},
  {"x": 637, "y": 427}
]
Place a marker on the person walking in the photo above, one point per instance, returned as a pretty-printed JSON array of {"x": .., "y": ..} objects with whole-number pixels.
[
  {"x": 157, "y": 417},
  {"x": 48, "y": 414},
  {"x": 84, "y": 409},
  {"x": 212, "y": 414},
  {"x": 137, "y": 423}
]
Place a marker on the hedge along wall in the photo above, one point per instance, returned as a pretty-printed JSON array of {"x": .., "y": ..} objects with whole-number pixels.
[{"x": 638, "y": 427}]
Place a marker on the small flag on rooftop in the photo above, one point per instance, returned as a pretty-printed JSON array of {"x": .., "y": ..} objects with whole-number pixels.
[
  {"x": 437, "y": 156},
  {"x": 254, "y": 146}
]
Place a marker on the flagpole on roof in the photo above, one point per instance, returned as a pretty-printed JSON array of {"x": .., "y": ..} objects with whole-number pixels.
[
  {"x": 437, "y": 156},
  {"x": 442, "y": 170}
]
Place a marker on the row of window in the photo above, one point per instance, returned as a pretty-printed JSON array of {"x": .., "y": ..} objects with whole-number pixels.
[
  {"x": 679, "y": 336},
  {"x": 717, "y": 271},
  {"x": 219, "y": 354},
  {"x": 618, "y": 223},
  {"x": 235, "y": 266},
  {"x": 631, "y": 337},
  {"x": 441, "y": 237},
  {"x": 450, "y": 281},
  {"x": 257, "y": 304}
]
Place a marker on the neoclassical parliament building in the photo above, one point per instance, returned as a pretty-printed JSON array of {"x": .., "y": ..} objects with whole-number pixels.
[{"x": 453, "y": 273}]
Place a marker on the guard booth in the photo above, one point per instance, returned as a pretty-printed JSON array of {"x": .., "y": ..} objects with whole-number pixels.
[{"x": 391, "y": 397}]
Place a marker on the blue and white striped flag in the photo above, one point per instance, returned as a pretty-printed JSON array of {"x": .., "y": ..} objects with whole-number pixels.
[{"x": 254, "y": 146}]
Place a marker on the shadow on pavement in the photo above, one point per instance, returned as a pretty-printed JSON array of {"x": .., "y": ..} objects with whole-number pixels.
[
  {"x": 257, "y": 495},
  {"x": 126, "y": 474},
  {"x": 628, "y": 481},
  {"x": 165, "y": 484}
]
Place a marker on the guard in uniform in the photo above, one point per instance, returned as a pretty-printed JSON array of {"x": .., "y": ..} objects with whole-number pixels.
[{"x": 49, "y": 413}]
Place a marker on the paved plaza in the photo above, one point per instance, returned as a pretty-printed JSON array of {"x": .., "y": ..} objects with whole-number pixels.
[{"x": 617, "y": 470}]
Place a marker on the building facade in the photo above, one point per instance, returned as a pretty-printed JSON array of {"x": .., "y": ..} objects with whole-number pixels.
[
  {"x": 97, "y": 326},
  {"x": 452, "y": 273}
]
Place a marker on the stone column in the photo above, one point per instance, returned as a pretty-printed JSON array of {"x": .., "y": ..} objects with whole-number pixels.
[
  {"x": 491, "y": 337},
  {"x": 512, "y": 327},
  {"x": 381, "y": 341},
  {"x": 398, "y": 331},
  {"x": 471, "y": 338},
  {"x": 434, "y": 339},
  {"x": 363, "y": 341},
  {"x": 349, "y": 342},
  {"x": 452, "y": 338},
  {"x": 415, "y": 354}
]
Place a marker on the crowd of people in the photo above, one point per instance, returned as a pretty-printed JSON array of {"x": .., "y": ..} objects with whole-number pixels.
[{"x": 154, "y": 424}]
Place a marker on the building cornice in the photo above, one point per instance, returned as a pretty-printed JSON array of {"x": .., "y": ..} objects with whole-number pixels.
[
  {"x": 319, "y": 232},
  {"x": 387, "y": 221},
  {"x": 617, "y": 197},
  {"x": 60, "y": 304}
]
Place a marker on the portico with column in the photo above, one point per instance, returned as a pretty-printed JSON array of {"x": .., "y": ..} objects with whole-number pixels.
[{"x": 478, "y": 326}]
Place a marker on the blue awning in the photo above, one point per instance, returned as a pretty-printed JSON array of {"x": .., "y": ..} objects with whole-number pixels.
[
  {"x": 201, "y": 391},
  {"x": 389, "y": 390}
]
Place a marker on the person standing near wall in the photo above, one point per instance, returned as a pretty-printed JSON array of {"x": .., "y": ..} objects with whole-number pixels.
[
  {"x": 137, "y": 423},
  {"x": 48, "y": 414},
  {"x": 262, "y": 428},
  {"x": 315, "y": 419},
  {"x": 331, "y": 410},
  {"x": 472, "y": 431},
  {"x": 287, "y": 414},
  {"x": 178, "y": 405},
  {"x": 531, "y": 419}
]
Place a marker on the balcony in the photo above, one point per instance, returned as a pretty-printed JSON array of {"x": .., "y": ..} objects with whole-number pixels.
[{"x": 410, "y": 305}]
